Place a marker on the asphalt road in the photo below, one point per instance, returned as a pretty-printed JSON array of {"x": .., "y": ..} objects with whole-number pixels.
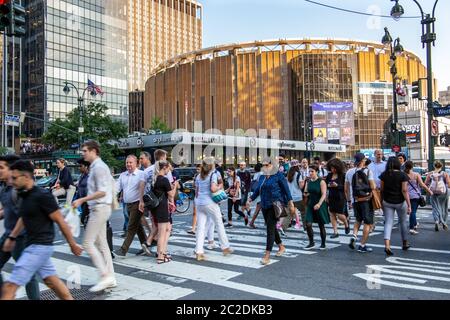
[{"x": 423, "y": 272}]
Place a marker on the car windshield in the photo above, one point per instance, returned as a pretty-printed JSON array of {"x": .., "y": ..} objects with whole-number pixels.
[{"x": 45, "y": 180}]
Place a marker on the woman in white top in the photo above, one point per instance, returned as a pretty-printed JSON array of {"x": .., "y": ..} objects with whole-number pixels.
[
  {"x": 295, "y": 184},
  {"x": 234, "y": 197},
  {"x": 206, "y": 183}
]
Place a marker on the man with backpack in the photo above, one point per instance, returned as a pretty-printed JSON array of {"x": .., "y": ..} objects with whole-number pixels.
[
  {"x": 359, "y": 188},
  {"x": 323, "y": 173}
]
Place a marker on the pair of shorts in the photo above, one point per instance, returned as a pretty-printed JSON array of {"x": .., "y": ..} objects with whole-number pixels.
[
  {"x": 363, "y": 212},
  {"x": 34, "y": 259}
]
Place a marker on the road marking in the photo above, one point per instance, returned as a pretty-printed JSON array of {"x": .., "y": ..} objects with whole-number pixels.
[
  {"x": 410, "y": 249},
  {"x": 251, "y": 248},
  {"x": 419, "y": 272},
  {"x": 262, "y": 239},
  {"x": 128, "y": 287},
  {"x": 218, "y": 257}
]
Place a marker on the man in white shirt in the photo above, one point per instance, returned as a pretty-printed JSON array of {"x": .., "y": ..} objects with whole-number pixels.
[
  {"x": 378, "y": 167},
  {"x": 132, "y": 184},
  {"x": 322, "y": 171},
  {"x": 100, "y": 199},
  {"x": 362, "y": 204}
]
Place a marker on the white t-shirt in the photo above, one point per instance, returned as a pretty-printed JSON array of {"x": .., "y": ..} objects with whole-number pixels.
[
  {"x": 204, "y": 189},
  {"x": 377, "y": 169},
  {"x": 351, "y": 173},
  {"x": 294, "y": 188},
  {"x": 238, "y": 192}
]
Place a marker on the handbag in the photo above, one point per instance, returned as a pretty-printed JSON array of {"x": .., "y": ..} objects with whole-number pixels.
[
  {"x": 422, "y": 201},
  {"x": 279, "y": 209},
  {"x": 219, "y": 195},
  {"x": 376, "y": 200}
]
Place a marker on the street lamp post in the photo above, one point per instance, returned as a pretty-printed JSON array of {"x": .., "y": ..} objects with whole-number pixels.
[
  {"x": 80, "y": 99},
  {"x": 428, "y": 38},
  {"x": 396, "y": 49}
]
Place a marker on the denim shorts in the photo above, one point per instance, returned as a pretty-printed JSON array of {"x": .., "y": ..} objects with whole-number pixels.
[{"x": 34, "y": 259}]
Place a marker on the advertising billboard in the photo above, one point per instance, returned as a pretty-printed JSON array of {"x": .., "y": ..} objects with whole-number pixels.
[
  {"x": 412, "y": 133},
  {"x": 333, "y": 123}
]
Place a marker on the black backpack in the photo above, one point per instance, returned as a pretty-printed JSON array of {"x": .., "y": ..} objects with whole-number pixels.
[{"x": 360, "y": 184}]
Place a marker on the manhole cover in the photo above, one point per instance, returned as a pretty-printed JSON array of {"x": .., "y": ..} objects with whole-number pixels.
[{"x": 78, "y": 294}]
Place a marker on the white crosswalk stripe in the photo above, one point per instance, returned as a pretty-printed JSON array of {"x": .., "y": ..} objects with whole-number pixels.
[{"x": 217, "y": 270}]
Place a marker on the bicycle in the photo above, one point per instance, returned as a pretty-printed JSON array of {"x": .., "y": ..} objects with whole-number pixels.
[{"x": 184, "y": 200}]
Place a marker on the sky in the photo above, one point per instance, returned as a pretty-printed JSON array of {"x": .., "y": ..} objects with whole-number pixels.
[{"x": 231, "y": 21}]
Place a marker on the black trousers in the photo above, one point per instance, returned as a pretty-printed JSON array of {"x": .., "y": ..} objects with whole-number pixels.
[
  {"x": 234, "y": 206},
  {"x": 272, "y": 232}
]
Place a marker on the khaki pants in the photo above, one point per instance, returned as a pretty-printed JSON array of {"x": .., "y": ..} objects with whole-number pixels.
[
  {"x": 69, "y": 193},
  {"x": 134, "y": 226},
  {"x": 95, "y": 241}
]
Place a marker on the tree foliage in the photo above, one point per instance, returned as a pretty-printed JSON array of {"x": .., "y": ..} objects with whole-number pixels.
[
  {"x": 159, "y": 124},
  {"x": 97, "y": 126}
]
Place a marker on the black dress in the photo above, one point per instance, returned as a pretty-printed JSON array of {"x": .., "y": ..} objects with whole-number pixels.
[
  {"x": 336, "y": 196},
  {"x": 161, "y": 188}
]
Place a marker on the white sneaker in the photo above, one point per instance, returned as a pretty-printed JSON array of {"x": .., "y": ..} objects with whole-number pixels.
[
  {"x": 413, "y": 232},
  {"x": 211, "y": 246},
  {"x": 105, "y": 283}
]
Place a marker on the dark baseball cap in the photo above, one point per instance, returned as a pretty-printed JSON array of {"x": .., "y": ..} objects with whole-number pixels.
[{"x": 359, "y": 157}]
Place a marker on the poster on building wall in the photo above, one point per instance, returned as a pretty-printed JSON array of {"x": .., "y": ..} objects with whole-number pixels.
[
  {"x": 412, "y": 132},
  {"x": 333, "y": 122}
]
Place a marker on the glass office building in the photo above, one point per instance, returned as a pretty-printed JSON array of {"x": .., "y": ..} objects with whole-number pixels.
[{"x": 74, "y": 41}]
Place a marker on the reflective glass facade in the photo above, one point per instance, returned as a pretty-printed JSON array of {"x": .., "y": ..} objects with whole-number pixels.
[{"x": 75, "y": 41}]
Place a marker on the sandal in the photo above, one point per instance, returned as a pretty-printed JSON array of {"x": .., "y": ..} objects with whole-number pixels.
[
  {"x": 161, "y": 261},
  {"x": 168, "y": 256}
]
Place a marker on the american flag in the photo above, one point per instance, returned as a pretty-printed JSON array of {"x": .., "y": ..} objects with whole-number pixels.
[{"x": 94, "y": 88}]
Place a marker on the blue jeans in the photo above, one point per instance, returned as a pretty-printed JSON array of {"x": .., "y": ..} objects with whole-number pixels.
[
  {"x": 126, "y": 217},
  {"x": 413, "y": 216},
  {"x": 32, "y": 287}
]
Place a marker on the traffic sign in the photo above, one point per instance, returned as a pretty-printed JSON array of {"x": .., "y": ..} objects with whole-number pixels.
[
  {"x": 434, "y": 128},
  {"x": 11, "y": 120},
  {"x": 396, "y": 148},
  {"x": 442, "y": 112},
  {"x": 445, "y": 140}
]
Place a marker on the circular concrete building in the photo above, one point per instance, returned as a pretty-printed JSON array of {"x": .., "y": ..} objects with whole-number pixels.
[{"x": 276, "y": 84}]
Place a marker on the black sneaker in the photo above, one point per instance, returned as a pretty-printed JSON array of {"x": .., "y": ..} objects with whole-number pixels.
[
  {"x": 323, "y": 247},
  {"x": 334, "y": 236},
  {"x": 119, "y": 253},
  {"x": 229, "y": 225},
  {"x": 436, "y": 227},
  {"x": 347, "y": 230},
  {"x": 310, "y": 246},
  {"x": 364, "y": 249},
  {"x": 246, "y": 220},
  {"x": 352, "y": 243}
]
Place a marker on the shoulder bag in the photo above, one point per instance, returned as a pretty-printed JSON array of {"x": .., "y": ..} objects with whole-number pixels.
[
  {"x": 219, "y": 195},
  {"x": 422, "y": 201},
  {"x": 281, "y": 211}
]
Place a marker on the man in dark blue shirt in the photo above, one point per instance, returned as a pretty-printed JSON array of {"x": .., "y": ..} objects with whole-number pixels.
[
  {"x": 82, "y": 190},
  {"x": 10, "y": 204}
]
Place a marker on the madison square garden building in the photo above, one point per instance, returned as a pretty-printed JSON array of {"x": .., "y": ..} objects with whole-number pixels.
[{"x": 306, "y": 88}]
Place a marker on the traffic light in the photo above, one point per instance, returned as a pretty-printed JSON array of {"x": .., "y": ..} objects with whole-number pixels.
[
  {"x": 4, "y": 15},
  {"x": 417, "y": 90}
]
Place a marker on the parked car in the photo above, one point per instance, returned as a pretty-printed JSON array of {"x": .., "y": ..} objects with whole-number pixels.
[
  {"x": 46, "y": 182},
  {"x": 185, "y": 173}
]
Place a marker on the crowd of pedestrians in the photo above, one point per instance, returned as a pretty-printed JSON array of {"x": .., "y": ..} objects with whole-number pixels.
[{"x": 289, "y": 194}]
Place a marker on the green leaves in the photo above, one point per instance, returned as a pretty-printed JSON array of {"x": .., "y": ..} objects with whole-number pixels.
[
  {"x": 158, "y": 124},
  {"x": 98, "y": 125}
]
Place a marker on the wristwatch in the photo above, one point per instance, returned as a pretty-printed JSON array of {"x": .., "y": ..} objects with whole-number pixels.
[{"x": 12, "y": 238}]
